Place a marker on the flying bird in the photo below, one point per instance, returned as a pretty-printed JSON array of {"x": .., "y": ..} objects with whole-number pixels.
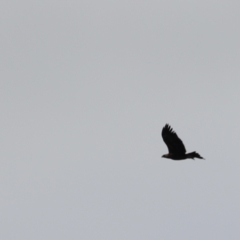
[{"x": 176, "y": 148}]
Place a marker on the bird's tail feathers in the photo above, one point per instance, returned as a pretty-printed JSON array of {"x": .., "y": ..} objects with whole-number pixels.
[{"x": 194, "y": 155}]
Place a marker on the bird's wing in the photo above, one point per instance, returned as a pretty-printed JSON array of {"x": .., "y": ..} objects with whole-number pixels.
[{"x": 173, "y": 142}]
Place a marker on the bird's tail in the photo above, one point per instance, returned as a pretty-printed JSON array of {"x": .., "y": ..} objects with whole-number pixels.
[{"x": 194, "y": 155}]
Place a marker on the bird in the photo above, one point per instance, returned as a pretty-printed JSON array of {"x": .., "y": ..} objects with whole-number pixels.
[{"x": 176, "y": 148}]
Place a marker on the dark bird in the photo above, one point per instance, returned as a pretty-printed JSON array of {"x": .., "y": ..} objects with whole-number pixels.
[{"x": 176, "y": 148}]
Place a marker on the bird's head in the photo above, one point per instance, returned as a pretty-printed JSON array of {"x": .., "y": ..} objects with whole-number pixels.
[{"x": 165, "y": 156}]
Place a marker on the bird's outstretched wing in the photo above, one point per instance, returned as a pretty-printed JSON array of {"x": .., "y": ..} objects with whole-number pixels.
[{"x": 173, "y": 142}]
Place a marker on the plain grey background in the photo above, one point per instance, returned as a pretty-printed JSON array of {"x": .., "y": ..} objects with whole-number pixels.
[{"x": 86, "y": 87}]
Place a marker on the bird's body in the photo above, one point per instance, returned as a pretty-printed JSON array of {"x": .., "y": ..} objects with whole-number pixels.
[{"x": 175, "y": 146}]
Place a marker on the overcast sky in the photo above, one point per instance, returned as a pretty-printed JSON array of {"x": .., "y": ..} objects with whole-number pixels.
[{"x": 86, "y": 87}]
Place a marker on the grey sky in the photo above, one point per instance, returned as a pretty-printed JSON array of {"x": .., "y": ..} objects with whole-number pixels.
[{"x": 86, "y": 87}]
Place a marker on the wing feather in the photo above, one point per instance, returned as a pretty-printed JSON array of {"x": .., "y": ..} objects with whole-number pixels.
[{"x": 173, "y": 142}]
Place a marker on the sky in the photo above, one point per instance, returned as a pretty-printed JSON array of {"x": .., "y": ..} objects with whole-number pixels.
[{"x": 86, "y": 87}]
